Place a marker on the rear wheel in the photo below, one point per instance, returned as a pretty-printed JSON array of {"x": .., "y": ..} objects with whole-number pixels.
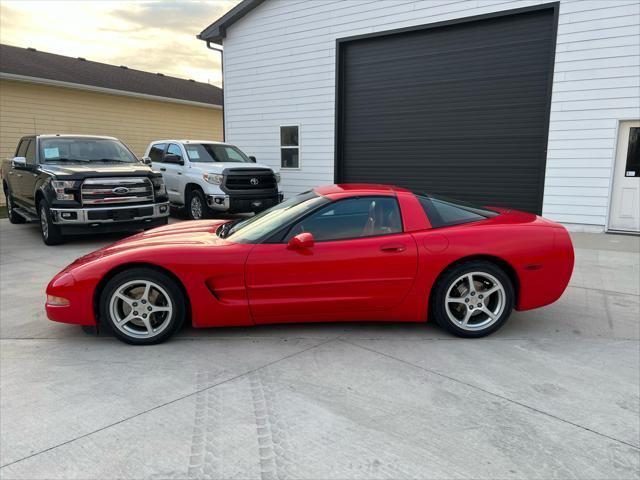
[
  {"x": 473, "y": 299},
  {"x": 14, "y": 217},
  {"x": 142, "y": 306},
  {"x": 50, "y": 231},
  {"x": 196, "y": 206}
]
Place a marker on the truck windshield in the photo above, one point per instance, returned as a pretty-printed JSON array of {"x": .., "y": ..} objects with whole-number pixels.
[
  {"x": 69, "y": 149},
  {"x": 213, "y": 152}
]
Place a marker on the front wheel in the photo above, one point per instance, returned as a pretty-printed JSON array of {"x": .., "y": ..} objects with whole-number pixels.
[
  {"x": 196, "y": 206},
  {"x": 50, "y": 231},
  {"x": 142, "y": 306},
  {"x": 473, "y": 299}
]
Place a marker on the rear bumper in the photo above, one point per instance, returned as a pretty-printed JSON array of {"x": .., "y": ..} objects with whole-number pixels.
[
  {"x": 242, "y": 203},
  {"x": 109, "y": 215}
]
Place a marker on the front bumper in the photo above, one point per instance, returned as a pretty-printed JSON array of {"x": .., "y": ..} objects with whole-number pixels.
[
  {"x": 243, "y": 203},
  {"x": 109, "y": 215}
]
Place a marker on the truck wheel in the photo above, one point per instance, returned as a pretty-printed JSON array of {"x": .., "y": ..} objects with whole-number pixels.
[
  {"x": 196, "y": 206},
  {"x": 50, "y": 232},
  {"x": 14, "y": 217}
]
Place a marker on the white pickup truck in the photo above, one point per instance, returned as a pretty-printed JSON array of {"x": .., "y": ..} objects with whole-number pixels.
[{"x": 203, "y": 176}]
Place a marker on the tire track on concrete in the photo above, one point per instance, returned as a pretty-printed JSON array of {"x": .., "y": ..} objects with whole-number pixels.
[
  {"x": 205, "y": 459},
  {"x": 273, "y": 446}
]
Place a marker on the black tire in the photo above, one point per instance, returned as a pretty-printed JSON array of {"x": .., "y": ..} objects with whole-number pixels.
[
  {"x": 487, "y": 312},
  {"x": 14, "y": 217},
  {"x": 50, "y": 232},
  {"x": 131, "y": 332},
  {"x": 195, "y": 195}
]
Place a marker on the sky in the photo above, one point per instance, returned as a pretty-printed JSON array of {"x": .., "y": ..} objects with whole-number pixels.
[{"x": 155, "y": 36}]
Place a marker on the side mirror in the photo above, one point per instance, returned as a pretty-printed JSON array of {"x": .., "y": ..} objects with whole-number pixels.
[
  {"x": 252, "y": 158},
  {"x": 19, "y": 162},
  {"x": 300, "y": 241},
  {"x": 146, "y": 160},
  {"x": 173, "y": 158}
]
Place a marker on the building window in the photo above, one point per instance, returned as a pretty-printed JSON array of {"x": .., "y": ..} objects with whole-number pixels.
[
  {"x": 633, "y": 153},
  {"x": 290, "y": 146}
]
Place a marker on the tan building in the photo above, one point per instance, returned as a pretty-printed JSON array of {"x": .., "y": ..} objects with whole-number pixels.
[{"x": 46, "y": 93}]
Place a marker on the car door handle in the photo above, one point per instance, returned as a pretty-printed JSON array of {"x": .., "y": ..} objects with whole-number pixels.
[
  {"x": 163, "y": 169},
  {"x": 179, "y": 173},
  {"x": 393, "y": 247}
]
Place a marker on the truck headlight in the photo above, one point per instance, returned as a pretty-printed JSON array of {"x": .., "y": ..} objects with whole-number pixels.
[
  {"x": 60, "y": 187},
  {"x": 278, "y": 178},
  {"x": 158, "y": 186},
  {"x": 214, "y": 178}
]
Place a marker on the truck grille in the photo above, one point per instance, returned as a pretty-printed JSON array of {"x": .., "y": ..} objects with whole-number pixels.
[
  {"x": 114, "y": 191},
  {"x": 245, "y": 179}
]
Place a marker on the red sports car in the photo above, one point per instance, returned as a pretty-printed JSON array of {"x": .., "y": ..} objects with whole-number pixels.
[{"x": 336, "y": 253}]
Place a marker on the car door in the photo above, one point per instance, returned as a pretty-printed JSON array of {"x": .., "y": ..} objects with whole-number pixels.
[
  {"x": 361, "y": 261},
  {"x": 30, "y": 175},
  {"x": 172, "y": 172},
  {"x": 156, "y": 154},
  {"x": 18, "y": 174}
]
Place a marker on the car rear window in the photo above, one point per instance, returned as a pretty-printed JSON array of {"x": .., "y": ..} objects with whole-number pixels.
[{"x": 444, "y": 212}]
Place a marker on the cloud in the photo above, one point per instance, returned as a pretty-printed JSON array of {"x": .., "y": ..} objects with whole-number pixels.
[{"x": 153, "y": 36}]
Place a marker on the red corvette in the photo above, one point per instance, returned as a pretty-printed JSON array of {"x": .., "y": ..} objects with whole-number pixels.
[{"x": 337, "y": 253}]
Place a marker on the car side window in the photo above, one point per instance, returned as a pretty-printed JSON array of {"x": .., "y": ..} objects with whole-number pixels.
[
  {"x": 352, "y": 218},
  {"x": 30, "y": 154},
  {"x": 22, "y": 147},
  {"x": 157, "y": 152},
  {"x": 174, "y": 149},
  {"x": 446, "y": 213}
]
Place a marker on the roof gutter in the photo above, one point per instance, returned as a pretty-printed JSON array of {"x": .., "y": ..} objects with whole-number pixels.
[
  {"x": 220, "y": 48},
  {"x": 111, "y": 91}
]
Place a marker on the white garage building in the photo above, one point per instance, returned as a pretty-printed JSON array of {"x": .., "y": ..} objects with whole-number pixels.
[{"x": 524, "y": 104}]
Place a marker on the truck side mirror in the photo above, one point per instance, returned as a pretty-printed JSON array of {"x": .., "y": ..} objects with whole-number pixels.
[
  {"x": 252, "y": 158},
  {"x": 146, "y": 160},
  {"x": 19, "y": 162}
]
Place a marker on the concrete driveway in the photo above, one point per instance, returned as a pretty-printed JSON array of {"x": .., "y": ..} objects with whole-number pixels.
[{"x": 554, "y": 394}]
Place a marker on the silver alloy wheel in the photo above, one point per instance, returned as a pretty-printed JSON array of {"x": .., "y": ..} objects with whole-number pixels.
[
  {"x": 475, "y": 301},
  {"x": 196, "y": 208},
  {"x": 9, "y": 206},
  {"x": 44, "y": 222},
  {"x": 141, "y": 309}
]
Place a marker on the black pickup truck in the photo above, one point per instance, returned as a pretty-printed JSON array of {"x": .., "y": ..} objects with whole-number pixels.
[{"x": 81, "y": 184}]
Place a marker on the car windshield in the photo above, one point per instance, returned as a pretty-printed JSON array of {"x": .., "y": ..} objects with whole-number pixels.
[
  {"x": 214, "y": 152},
  {"x": 79, "y": 149},
  {"x": 270, "y": 221}
]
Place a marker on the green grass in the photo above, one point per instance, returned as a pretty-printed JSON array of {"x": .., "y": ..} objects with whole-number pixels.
[{"x": 3, "y": 211}]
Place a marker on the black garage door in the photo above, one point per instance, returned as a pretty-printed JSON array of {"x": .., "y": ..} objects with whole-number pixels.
[{"x": 457, "y": 109}]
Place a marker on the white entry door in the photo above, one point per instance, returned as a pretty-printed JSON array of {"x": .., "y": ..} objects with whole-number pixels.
[{"x": 625, "y": 198}]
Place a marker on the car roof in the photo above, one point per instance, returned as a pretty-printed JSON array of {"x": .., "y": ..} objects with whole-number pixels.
[
  {"x": 70, "y": 135},
  {"x": 359, "y": 189}
]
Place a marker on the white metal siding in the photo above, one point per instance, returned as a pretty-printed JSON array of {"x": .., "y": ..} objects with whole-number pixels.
[{"x": 280, "y": 69}]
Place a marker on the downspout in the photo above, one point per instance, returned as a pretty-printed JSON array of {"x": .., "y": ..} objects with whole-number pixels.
[{"x": 219, "y": 48}]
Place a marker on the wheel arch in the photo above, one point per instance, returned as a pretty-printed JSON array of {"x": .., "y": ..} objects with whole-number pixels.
[
  {"x": 191, "y": 186},
  {"x": 125, "y": 266},
  {"x": 497, "y": 261},
  {"x": 38, "y": 198}
]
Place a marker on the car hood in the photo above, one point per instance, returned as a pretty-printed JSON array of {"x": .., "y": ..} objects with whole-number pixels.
[
  {"x": 97, "y": 169},
  {"x": 183, "y": 234}
]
